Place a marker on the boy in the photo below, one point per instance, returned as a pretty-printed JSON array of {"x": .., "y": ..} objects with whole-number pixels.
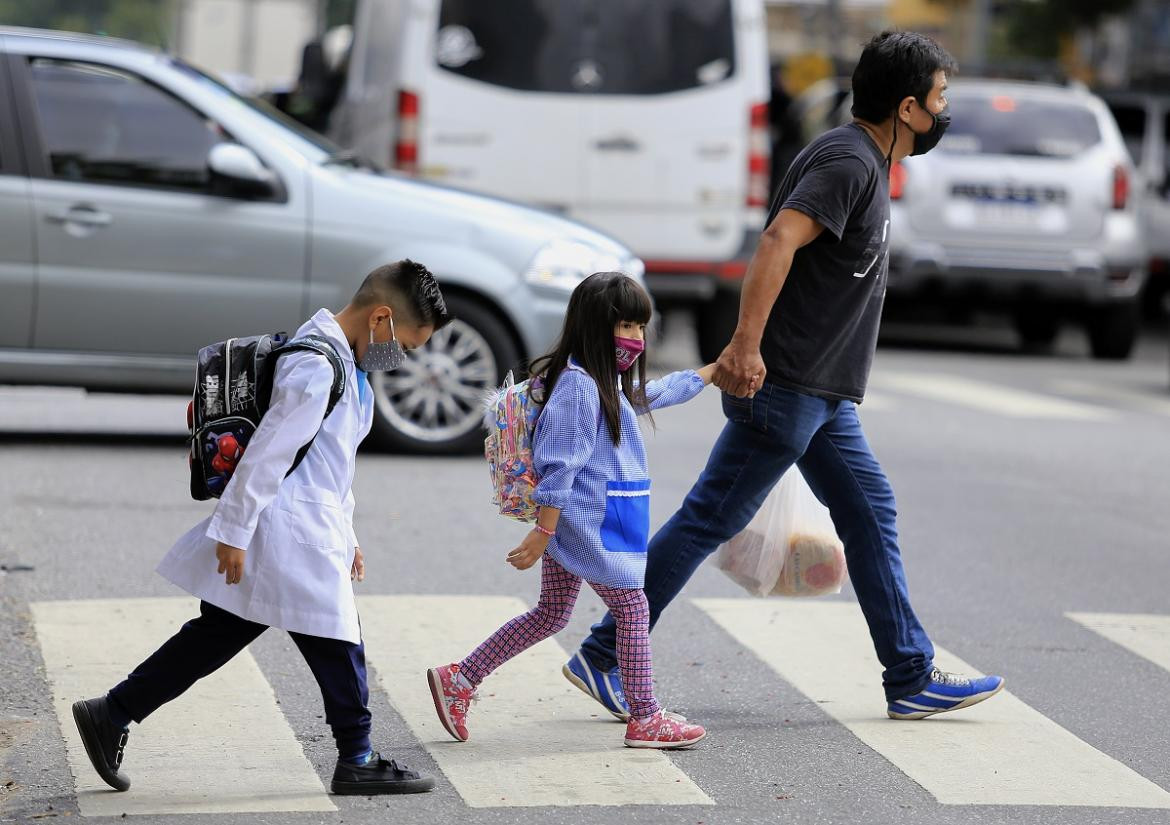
[{"x": 280, "y": 551}]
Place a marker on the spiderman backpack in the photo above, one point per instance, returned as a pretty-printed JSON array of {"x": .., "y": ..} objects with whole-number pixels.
[
  {"x": 233, "y": 387},
  {"x": 510, "y": 419}
]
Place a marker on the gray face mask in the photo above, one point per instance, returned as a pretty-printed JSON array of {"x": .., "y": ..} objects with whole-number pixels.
[{"x": 385, "y": 356}]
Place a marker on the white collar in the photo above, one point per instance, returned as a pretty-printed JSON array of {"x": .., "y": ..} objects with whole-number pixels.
[{"x": 325, "y": 324}]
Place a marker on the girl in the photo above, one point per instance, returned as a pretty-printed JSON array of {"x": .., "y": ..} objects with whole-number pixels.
[{"x": 594, "y": 497}]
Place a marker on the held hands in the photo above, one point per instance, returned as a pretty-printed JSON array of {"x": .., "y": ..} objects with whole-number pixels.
[
  {"x": 231, "y": 562},
  {"x": 740, "y": 369},
  {"x": 357, "y": 573},
  {"x": 529, "y": 551}
]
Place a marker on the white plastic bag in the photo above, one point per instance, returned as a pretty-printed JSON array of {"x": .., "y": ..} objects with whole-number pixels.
[{"x": 790, "y": 547}]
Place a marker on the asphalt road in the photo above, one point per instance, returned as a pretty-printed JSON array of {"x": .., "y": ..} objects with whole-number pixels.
[{"x": 1034, "y": 522}]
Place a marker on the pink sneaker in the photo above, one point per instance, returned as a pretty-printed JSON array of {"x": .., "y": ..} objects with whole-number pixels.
[
  {"x": 453, "y": 697},
  {"x": 663, "y": 730}
]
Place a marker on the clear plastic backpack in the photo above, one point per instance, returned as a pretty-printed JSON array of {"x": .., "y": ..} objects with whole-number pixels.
[{"x": 510, "y": 419}]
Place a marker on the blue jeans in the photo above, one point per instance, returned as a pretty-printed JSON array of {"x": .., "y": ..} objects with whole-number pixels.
[{"x": 763, "y": 437}]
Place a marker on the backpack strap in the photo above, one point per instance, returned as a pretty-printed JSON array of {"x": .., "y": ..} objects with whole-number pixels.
[{"x": 321, "y": 346}]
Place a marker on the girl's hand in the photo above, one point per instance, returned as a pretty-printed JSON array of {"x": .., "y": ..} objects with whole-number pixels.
[{"x": 529, "y": 551}]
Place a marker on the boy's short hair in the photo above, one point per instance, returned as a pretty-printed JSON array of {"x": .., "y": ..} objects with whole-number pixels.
[
  {"x": 892, "y": 66},
  {"x": 407, "y": 287}
]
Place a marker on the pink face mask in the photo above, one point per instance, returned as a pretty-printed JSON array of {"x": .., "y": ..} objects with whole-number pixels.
[{"x": 628, "y": 350}]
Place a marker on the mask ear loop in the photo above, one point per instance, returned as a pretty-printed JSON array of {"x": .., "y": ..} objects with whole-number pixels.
[
  {"x": 893, "y": 143},
  {"x": 393, "y": 336}
]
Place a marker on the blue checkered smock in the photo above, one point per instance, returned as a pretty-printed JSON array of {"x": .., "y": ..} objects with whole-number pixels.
[{"x": 602, "y": 489}]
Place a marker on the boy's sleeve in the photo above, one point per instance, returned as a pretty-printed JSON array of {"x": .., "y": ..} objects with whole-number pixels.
[
  {"x": 349, "y": 505},
  {"x": 675, "y": 388},
  {"x": 565, "y": 436},
  {"x": 300, "y": 394},
  {"x": 829, "y": 190}
]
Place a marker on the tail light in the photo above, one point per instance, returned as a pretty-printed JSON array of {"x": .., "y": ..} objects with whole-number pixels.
[
  {"x": 406, "y": 145},
  {"x": 1120, "y": 187},
  {"x": 759, "y": 149},
  {"x": 897, "y": 181}
]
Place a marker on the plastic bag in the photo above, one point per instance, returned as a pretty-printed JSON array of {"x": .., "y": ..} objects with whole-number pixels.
[{"x": 789, "y": 548}]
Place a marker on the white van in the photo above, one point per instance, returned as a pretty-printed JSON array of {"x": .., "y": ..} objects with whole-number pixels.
[{"x": 645, "y": 118}]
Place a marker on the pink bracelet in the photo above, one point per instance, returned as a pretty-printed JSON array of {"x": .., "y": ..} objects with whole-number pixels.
[{"x": 544, "y": 530}]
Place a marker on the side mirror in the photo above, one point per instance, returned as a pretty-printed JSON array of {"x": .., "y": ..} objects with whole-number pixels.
[{"x": 241, "y": 169}]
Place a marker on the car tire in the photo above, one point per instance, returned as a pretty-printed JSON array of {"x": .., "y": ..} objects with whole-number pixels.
[
  {"x": 1113, "y": 330},
  {"x": 1037, "y": 328},
  {"x": 433, "y": 404},
  {"x": 715, "y": 323}
]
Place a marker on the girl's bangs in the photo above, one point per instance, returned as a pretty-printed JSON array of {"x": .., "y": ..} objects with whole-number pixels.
[{"x": 632, "y": 303}]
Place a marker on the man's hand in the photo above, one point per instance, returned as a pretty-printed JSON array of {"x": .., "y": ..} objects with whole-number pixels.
[
  {"x": 529, "y": 551},
  {"x": 740, "y": 369},
  {"x": 231, "y": 562},
  {"x": 358, "y": 572}
]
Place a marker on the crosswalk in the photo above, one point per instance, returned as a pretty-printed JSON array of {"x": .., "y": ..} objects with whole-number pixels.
[{"x": 226, "y": 747}]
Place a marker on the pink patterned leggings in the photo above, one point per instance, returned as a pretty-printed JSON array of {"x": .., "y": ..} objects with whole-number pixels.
[{"x": 558, "y": 594}]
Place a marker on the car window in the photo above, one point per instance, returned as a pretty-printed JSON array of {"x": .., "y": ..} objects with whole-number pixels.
[
  {"x": 1008, "y": 125},
  {"x": 1131, "y": 120},
  {"x": 103, "y": 125},
  {"x": 634, "y": 47}
]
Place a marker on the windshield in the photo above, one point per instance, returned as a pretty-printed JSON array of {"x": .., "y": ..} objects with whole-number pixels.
[
  {"x": 1003, "y": 124},
  {"x": 632, "y": 47},
  {"x": 307, "y": 141}
]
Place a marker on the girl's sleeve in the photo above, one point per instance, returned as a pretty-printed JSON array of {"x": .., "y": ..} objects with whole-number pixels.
[
  {"x": 676, "y": 388},
  {"x": 300, "y": 394},
  {"x": 565, "y": 436}
]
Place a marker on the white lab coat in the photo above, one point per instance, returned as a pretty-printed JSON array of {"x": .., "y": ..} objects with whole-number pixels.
[{"x": 297, "y": 531}]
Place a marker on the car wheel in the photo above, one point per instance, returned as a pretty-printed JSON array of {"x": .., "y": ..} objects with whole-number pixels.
[
  {"x": 1113, "y": 330},
  {"x": 433, "y": 403},
  {"x": 715, "y": 322},
  {"x": 1037, "y": 327}
]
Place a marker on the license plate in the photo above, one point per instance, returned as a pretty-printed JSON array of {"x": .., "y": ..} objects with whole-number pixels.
[{"x": 1005, "y": 216}]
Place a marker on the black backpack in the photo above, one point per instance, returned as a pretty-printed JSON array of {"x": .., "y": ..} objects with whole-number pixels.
[{"x": 233, "y": 388}]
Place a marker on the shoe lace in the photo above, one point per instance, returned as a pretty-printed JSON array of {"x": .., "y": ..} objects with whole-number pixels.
[{"x": 949, "y": 679}]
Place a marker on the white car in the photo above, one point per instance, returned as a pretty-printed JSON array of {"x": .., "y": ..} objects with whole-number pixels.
[
  {"x": 1027, "y": 204},
  {"x": 644, "y": 118}
]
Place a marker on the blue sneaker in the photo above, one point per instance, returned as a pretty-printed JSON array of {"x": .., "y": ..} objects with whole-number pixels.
[
  {"x": 606, "y": 688},
  {"x": 946, "y": 691}
]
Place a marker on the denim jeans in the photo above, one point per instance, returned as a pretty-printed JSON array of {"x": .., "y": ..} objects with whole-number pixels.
[{"x": 764, "y": 436}]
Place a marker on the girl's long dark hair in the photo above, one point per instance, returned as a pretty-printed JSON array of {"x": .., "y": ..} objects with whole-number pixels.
[{"x": 596, "y": 306}]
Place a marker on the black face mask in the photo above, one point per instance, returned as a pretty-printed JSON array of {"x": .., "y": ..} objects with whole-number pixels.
[{"x": 925, "y": 141}]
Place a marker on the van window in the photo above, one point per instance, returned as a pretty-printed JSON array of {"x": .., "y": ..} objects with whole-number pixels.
[
  {"x": 617, "y": 47},
  {"x": 1008, "y": 125},
  {"x": 103, "y": 125}
]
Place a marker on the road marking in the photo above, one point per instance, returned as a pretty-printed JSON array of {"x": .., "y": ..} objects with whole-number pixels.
[
  {"x": 223, "y": 747},
  {"x": 990, "y": 398},
  {"x": 1146, "y": 635},
  {"x": 1131, "y": 399},
  {"x": 1001, "y": 752},
  {"x": 533, "y": 741}
]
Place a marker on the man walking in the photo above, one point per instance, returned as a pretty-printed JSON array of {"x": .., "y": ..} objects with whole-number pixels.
[{"x": 796, "y": 369}]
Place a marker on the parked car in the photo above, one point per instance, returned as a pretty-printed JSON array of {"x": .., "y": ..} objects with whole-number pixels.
[
  {"x": 1144, "y": 120},
  {"x": 146, "y": 210},
  {"x": 648, "y": 120},
  {"x": 1027, "y": 204}
]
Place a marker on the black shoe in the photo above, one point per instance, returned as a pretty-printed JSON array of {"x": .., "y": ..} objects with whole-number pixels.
[
  {"x": 378, "y": 776},
  {"x": 104, "y": 741}
]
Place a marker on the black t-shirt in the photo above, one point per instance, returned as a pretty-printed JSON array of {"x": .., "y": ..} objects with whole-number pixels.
[{"x": 821, "y": 335}]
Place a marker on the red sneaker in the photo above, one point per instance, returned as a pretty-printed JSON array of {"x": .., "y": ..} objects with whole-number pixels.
[
  {"x": 453, "y": 697},
  {"x": 665, "y": 731}
]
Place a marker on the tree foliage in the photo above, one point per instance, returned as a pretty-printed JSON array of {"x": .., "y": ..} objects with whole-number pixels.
[{"x": 148, "y": 21}]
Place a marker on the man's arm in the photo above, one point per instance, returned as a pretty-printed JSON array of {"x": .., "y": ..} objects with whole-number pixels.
[{"x": 740, "y": 369}]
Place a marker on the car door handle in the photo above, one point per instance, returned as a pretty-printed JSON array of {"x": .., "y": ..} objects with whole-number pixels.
[{"x": 82, "y": 215}]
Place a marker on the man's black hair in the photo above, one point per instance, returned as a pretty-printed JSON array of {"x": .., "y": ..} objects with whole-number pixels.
[
  {"x": 407, "y": 287},
  {"x": 894, "y": 65}
]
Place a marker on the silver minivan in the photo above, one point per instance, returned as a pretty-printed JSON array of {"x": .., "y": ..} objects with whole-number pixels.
[{"x": 147, "y": 210}]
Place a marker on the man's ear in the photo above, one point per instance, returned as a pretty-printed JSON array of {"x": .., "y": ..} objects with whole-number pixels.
[{"x": 905, "y": 108}]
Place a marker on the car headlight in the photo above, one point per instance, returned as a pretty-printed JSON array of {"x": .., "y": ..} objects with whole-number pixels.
[{"x": 562, "y": 264}]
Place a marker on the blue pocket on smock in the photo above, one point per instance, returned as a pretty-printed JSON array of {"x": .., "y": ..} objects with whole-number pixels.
[{"x": 626, "y": 528}]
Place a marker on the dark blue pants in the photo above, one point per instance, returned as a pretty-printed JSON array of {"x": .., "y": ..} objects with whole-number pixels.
[
  {"x": 763, "y": 437},
  {"x": 205, "y": 644}
]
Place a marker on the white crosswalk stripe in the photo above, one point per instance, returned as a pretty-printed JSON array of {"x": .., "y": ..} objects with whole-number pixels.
[
  {"x": 225, "y": 748},
  {"x": 988, "y": 397},
  {"x": 1006, "y": 753},
  {"x": 1144, "y": 634},
  {"x": 532, "y": 739}
]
